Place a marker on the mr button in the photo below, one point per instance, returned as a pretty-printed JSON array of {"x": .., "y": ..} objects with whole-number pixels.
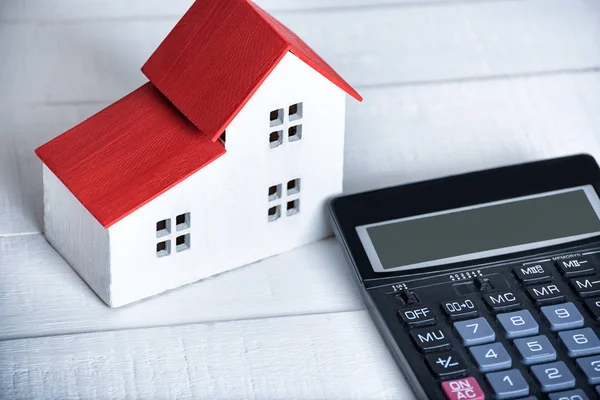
[
  {"x": 417, "y": 316},
  {"x": 545, "y": 294}
]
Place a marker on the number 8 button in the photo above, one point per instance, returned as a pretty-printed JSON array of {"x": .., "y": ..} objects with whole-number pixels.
[{"x": 518, "y": 324}]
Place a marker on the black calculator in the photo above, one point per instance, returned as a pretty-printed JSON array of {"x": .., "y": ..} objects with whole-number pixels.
[{"x": 485, "y": 285}]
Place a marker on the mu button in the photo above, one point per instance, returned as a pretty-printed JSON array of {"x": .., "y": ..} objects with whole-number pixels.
[
  {"x": 446, "y": 365},
  {"x": 502, "y": 301},
  {"x": 430, "y": 339}
]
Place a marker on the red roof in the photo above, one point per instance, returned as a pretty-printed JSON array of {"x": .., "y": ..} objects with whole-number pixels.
[
  {"x": 207, "y": 68},
  {"x": 128, "y": 154},
  {"x": 219, "y": 54}
]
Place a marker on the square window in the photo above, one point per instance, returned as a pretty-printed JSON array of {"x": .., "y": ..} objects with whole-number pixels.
[
  {"x": 293, "y": 207},
  {"x": 295, "y": 133},
  {"x": 182, "y": 242},
  {"x": 276, "y": 139},
  {"x": 163, "y": 248},
  {"x": 274, "y": 213},
  {"x": 183, "y": 221},
  {"x": 274, "y": 192},
  {"x": 163, "y": 228},
  {"x": 276, "y": 117},
  {"x": 293, "y": 187},
  {"x": 295, "y": 111}
]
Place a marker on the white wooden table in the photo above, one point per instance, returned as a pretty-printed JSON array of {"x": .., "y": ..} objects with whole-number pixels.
[{"x": 449, "y": 86}]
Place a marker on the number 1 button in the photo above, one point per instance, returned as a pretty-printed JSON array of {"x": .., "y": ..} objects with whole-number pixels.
[{"x": 508, "y": 384}]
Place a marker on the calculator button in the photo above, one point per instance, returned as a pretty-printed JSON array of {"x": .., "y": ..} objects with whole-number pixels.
[
  {"x": 491, "y": 357},
  {"x": 475, "y": 331},
  {"x": 593, "y": 306},
  {"x": 553, "y": 376},
  {"x": 545, "y": 294},
  {"x": 460, "y": 309},
  {"x": 562, "y": 316},
  {"x": 518, "y": 324},
  {"x": 586, "y": 287},
  {"x": 430, "y": 339},
  {"x": 591, "y": 368},
  {"x": 502, "y": 301},
  {"x": 580, "y": 342},
  {"x": 576, "y": 266},
  {"x": 463, "y": 389},
  {"x": 508, "y": 384},
  {"x": 417, "y": 316},
  {"x": 575, "y": 394},
  {"x": 535, "y": 350},
  {"x": 446, "y": 365},
  {"x": 536, "y": 273}
]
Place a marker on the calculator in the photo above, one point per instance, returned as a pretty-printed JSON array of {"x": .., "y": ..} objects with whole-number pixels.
[{"x": 485, "y": 285}]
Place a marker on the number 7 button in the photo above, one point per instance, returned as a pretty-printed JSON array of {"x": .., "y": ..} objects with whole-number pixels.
[{"x": 475, "y": 331}]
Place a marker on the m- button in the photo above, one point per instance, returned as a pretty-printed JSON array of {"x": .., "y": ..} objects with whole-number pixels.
[{"x": 417, "y": 316}]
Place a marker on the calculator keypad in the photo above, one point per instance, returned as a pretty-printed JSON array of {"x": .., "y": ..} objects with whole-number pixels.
[
  {"x": 475, "y": 331},
  {"x": 515, "y": 350},
  {"x": 518, "y": 324}
]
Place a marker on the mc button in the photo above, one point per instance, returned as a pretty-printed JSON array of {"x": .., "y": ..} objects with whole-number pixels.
[
  {"x": 502, "y": 301},
  {"x": 417, "y": 316}
]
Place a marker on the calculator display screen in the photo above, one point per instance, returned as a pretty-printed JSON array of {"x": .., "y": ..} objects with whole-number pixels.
[{"x": 482, "y": 230}]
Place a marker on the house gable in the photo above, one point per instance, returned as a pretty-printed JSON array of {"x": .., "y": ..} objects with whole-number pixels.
[{"x": 217, "y": 56}]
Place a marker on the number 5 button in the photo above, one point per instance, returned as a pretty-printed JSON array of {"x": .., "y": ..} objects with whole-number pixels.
[{"x": 475, "y": 331}]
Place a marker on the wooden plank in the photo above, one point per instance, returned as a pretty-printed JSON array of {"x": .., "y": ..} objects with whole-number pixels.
[
  {"x": 41, "y": 295},
  {"x": 398, "y": 134},
  {"x": 72, "y": 10},
  {"x": 331, "y": 356},
  {"x": 100, "y": 60}
]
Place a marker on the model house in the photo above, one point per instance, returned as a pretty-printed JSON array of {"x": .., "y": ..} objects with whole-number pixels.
[{"x": 226, "y": 156}]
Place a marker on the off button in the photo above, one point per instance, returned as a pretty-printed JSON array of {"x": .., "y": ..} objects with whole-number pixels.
[{"x": 417, "y": 316}]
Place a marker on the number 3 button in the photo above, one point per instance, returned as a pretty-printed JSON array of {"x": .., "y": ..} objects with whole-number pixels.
[{"x": 475, "y": 331}]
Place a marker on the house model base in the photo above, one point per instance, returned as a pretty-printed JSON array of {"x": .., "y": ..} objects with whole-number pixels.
[{"x": 227, "y": 156}]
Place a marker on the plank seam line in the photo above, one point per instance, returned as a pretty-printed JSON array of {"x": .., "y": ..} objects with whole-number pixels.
[
  {"x": 313, "y": 10},
  {"x": 10, "y": 235},
  {"x": 475, "y": 79},
  {"x": 186, "y": 324},
  {"x": 429, "y": 82}
]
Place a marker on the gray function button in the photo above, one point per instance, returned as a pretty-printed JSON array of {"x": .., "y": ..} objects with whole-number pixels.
[
  {"x": 575, "y": 394},
  {"x": 554, "y": 376},
  {"x": 562, "y": 316},
  {"x": 534, "y": 273},
  {"x": 518, "y": 324},
  {"x": 491, "y": 357},
  {"x": 580, "y": 342},
  {"x": 591, "y": 368},
  {"x": 508, "y": 384},
  {"x": 460, "y": 309},
  {"x": 475, "y": 331},
  {"x": 417, "y": 316},
  {"x": 535, "y": 350},
  {"x": 576, "y": 266}
]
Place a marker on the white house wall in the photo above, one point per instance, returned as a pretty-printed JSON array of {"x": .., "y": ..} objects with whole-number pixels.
[
  {"x": 228, "y": 200},
  {"x": 76, "y": 235}
]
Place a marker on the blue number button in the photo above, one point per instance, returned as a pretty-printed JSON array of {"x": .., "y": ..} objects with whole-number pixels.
[
  {"x": 508, "y": 384},
  {"x": 475, "y": 331},
  {"x": 535, "y": 350},
  {"x": 553, "y": 376},
  {"x": 518, "y": 324},
  {"x": 491, "y": 357},
  {"x": 591, "y": 368},
  {"x": 562, "y": 316},
  {"x": 580, "y": 342},
  {"x": 575, "y": 394}
]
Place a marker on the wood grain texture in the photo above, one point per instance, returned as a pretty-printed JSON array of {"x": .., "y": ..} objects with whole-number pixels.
[
  {"x": 218, "y": 55},
  {"x": 100, "y": 60},
  {"x": 76, "y": 10},
  {"x": 41, "y": 295},
  {"x": 308, "y": 357},
  {"x": 128, "y": 154}
]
